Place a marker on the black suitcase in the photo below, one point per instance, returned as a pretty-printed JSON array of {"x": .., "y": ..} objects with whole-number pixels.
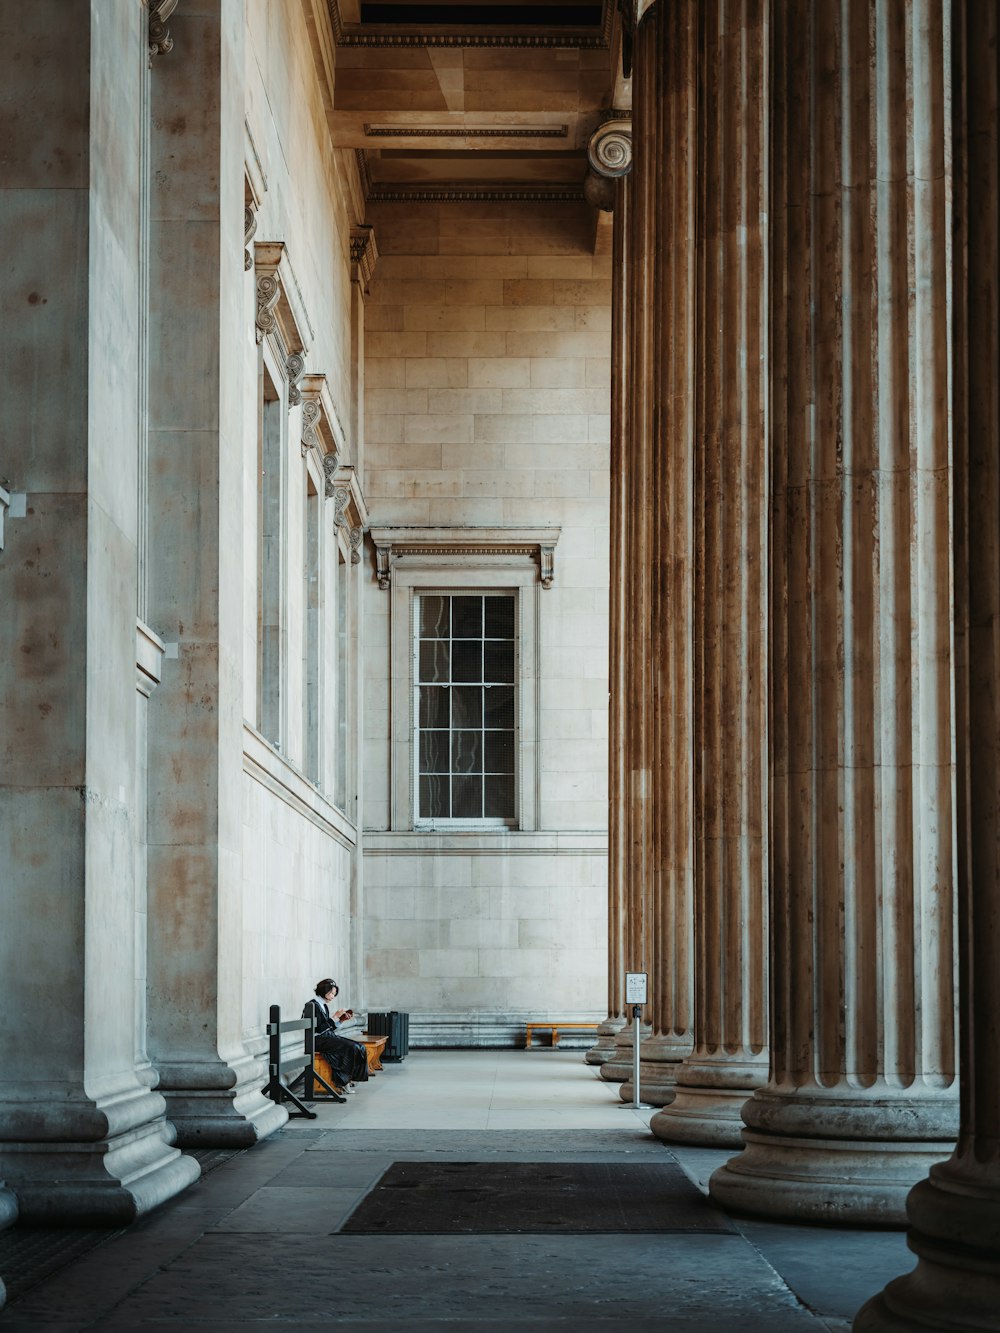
[{"x": 396, "y": 1027}]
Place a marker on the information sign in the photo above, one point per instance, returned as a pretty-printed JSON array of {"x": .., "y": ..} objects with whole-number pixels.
[{"x": 635, "y": 987}]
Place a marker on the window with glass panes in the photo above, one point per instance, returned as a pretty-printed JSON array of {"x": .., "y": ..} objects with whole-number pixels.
[{"x": 465, "y": 657}]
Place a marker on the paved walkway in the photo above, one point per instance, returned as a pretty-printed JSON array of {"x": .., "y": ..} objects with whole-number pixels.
[{"x": 254, "y": 1242}]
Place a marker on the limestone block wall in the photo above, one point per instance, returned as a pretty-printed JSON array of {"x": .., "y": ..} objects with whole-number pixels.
[
  {"x": 298, "y": 849},
  {"x": 487, "y": 378}
]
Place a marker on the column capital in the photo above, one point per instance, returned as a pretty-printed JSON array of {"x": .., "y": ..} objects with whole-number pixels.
[
  {"x": 609, "y": 150},
  {"x": 160, "y": 41}
]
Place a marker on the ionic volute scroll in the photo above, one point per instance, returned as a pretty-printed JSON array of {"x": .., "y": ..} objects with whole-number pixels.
[
  {"x": 609, "y": 153},
  {"x": 249, "y": 227},
  {"x": 268, "y": 296},
  {"x": 295, "y": 368},
  {"x": 160, "y": 41}
]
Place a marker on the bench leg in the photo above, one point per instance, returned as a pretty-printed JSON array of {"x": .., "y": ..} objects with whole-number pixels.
[{"x": 555, "y": 1038}]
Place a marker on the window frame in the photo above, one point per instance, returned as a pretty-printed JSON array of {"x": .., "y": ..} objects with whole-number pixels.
[
  {"x": 428, "y": 823},
  {"x": 453, "y": 576}
]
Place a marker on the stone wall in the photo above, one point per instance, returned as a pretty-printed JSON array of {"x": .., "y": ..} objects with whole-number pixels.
[
  {"x": 298, "y": 849},
  {"x": 487, "y": 405}
]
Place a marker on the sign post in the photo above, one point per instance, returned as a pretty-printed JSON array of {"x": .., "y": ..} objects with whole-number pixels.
[{"x": 635, "y": 995}]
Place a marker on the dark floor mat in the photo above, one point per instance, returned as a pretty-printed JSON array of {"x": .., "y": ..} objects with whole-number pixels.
[
  {"x": 480, "y": 1198},
  {"x": 30, "y": 1255}
]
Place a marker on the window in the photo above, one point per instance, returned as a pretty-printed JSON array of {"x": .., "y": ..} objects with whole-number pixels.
[
  {"x": 465, "y": 706},
  {"x": 270, "y": 502},
  {"x": 312, "y": 639},
  {"x": 464, "y": 638}
]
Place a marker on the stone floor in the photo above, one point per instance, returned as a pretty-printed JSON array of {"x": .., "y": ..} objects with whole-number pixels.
[{"x": 251, "y": 1244}]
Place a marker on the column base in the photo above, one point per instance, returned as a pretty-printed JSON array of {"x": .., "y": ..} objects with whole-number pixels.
[
  {"x": 660, "y": 1057},
  {"x": 8, "y": 1216},
  {"x": 619, "y": 1067},
  {"x": 218, "y": 1105},
  {"x": 955, "y": 1234},
  {"x": 711, "y": 1092},
  {"x": 605, "y": 1047},
  {"x": 91, "y": 1163},
  {"x": 824, "y": 1156}
]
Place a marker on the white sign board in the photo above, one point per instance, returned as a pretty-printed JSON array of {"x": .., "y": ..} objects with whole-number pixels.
[{"x": 635, "y": 987}]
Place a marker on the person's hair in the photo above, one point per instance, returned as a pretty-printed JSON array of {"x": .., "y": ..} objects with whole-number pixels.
[{"x": 324, "y": 987}]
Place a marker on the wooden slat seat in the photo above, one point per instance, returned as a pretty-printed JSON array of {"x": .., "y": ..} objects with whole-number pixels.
[{"x": 555, "y": 1027}]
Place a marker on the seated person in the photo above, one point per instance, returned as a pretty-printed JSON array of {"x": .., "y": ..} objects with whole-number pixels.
[{"x": 348, "y": 1059}]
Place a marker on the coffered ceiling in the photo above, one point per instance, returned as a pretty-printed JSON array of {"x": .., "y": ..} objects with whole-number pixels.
[{"x": 472, "y": 100}]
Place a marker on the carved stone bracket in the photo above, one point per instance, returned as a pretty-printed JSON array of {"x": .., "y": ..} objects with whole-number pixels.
[
  {"x": 281, "y": 310},
  {"x": 268, "y": 295},
  {"x": 329, "y": 472},
  {"x": 364, "y": 255},
  {"x": 321, "y": 427},
  {"x": 4, "y": 506},
  {"x": 349, "y": 508},
  {"x": 249, "y": 227},
  {"x": 295, "y": 367},
  {"x": 160, "y": 41},
  {"x": 446, "y": 547}
]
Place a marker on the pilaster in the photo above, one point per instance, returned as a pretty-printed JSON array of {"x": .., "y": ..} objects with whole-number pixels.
[
  {"x": 861, "y": 1097},
  {"x": 83, "y": 1139},
  {"x": 730, "y": 702},
  {"x": 196, "y": 393}
]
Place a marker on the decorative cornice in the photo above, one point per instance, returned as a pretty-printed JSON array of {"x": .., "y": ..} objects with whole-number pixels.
[
  {"x": 480, "y": 194},
  {"x": 487, "y": 544},
  {"x": 280, "y": 305},
  {"x": 160, "y": 41},
  {"x": 463, "y": 132},
  {"x": 364, "y": 255}
]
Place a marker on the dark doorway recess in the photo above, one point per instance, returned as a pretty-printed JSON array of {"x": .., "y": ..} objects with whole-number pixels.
[{"x": 482, "y": 1198}]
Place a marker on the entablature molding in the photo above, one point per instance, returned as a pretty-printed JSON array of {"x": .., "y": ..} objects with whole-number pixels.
[{"x": 447, "y": 547}]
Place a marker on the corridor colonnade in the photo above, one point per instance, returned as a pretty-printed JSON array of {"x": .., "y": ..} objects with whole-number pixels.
[{"x": 806, "y": 574}]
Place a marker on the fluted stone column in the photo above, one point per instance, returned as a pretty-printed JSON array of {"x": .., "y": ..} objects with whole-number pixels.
[
  {"x": 862, "y": 1094},
  {"x": 632, "y": 673},
  {"x": 730, "y": 788},
  {"x": 197, "y": 390},
  {"x": 604, "y": 1048},
  {"x": 954, "y": 1215},
  {"x": 83, "y": 1138},
  {"x": 661, "y": 303}
]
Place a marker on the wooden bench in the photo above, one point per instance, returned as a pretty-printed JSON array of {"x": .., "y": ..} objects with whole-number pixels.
[
  {"x": 555, "y": 1028},
  {"x": 374, "y": 1046}
]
